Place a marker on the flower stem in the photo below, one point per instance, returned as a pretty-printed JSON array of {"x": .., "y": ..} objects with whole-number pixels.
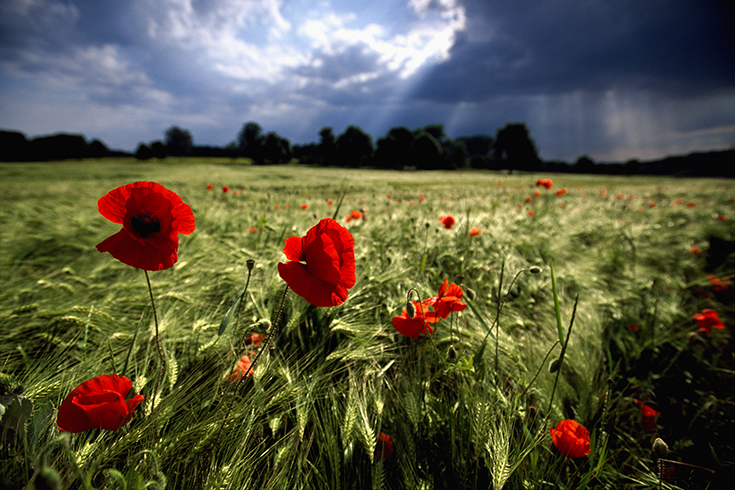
[{"x": 159, "y": 348}]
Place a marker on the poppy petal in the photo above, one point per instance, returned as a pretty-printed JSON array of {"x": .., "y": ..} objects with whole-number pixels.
[
  {"x": 294, "y": 249},
  {"x": 113, "y": 204},
  {"x": 132, "y": 252},
  {"x": 322, "y": 259},
  {"x": 106, "y": 410},
  {"x": 312, "y": 289}
]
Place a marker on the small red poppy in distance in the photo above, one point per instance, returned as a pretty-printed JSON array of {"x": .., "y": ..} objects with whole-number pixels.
[
  {"x": 447, "y": 301},
  {"x": 571, "y": 439},
  {"x": 708, "y": 319},
  {"x": 561, "y": 192},
  {"x": 418, "y": 324},
  {"x": 98, "y": 403},
  {"x": 152, "y": 218},
  {"x": 719, "y": 284},
  {"x": 548, "y": 183},
  {"x": 448, "y": 221},
  {"x": 383, "y": 448},
  {"x": 648, "y": 417},
  {"x": 322, "y": 264},
  {"x": 475, "y": 230},
  {"x": 244, "y": 365}
]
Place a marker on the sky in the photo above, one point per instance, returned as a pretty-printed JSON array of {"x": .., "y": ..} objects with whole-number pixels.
[{"x": 610, "y": 79}]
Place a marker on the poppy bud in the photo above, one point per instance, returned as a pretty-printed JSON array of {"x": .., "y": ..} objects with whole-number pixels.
[
  {"x": 554, "y": 366},
  {"x": 250, "y": 263},
  {"x": 410, "y": 309},
  {"x": 535, "y": 270},
  {"x": 660, "y": 448},
  {"x": 470, "y": 294}
]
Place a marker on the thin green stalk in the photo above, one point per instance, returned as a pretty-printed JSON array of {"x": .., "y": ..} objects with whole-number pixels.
[
  {"x": 556, "y": 303},
  {"x": 561, "y": 356},
  {"x": 159, "y": 348}
]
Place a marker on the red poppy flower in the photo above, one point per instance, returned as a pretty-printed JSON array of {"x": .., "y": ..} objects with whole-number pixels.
[
  {"x": 695, "y": 250},
  {"x": 719, "y": 284},
  {"x": 448, "y": 222},
  {"x": 243, "y": 366},
  {"x": 548, "y": 183},
  {"x": 448, "y": 299},
  {"x": 356, "y": 214},
  {"x": 329, "y": 202},
  {"x": 210, "y": 187},
  {"x": 531, "y": 213},
  {"x": 418, "y": 324},
  {"x": 648, "y": 417},
  {"x": 152, "y": 218},
  {"x": 322, "y": 264},
  {"x": 383, "y": 448},
  {"x": 304, "y": 206},
  {"x": 571, "y": 439},
  {"x": 225, "y": 189},
  {"x": 254, "y": 339},
  {"x": 708, "y": 319},
  {"x": 561, "y": 191},
  {"x": 98, "y": 403},
  {"x": 475, "y": 230},
  {"x": 691, "y": 205}
]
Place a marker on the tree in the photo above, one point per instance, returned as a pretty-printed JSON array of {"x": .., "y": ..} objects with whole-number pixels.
[
  {"x": 354, "y": 147},
  {"x": 251, "y": 140},
  {"x": 158, "y": 149},
  {"x": 584, "y": 165},
  {"x": 427, "y": 152},
  {"x": 326, "y": 151},
  {"x": 276, "y": 149},
  {"x": 232, "y": 151},
  {"x": 13, "y": 146},
  {"x": 394, "y": 150},
  {"x": 97, "y": 149},
  {"x": 178, "y": 141},
  {"x": 477, "y": 145},
  {"x": 143, "y": 152},
  {"x": 515, "y": 148}
]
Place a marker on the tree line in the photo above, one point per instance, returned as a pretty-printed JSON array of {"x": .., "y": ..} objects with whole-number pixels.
[{"x": 424, "y": 148}]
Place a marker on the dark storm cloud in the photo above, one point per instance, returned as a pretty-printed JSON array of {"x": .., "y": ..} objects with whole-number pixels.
[{"x": 557, "y": 46}]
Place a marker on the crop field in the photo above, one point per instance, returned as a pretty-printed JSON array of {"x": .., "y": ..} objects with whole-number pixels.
[{"x": 593, "y": 300}]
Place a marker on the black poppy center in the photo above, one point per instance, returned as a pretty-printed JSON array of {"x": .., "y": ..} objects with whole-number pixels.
[{"x": 146, "y": 224}]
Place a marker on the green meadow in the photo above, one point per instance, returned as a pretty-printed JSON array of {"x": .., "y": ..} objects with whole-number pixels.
[{"x": 609, "y": 273}]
